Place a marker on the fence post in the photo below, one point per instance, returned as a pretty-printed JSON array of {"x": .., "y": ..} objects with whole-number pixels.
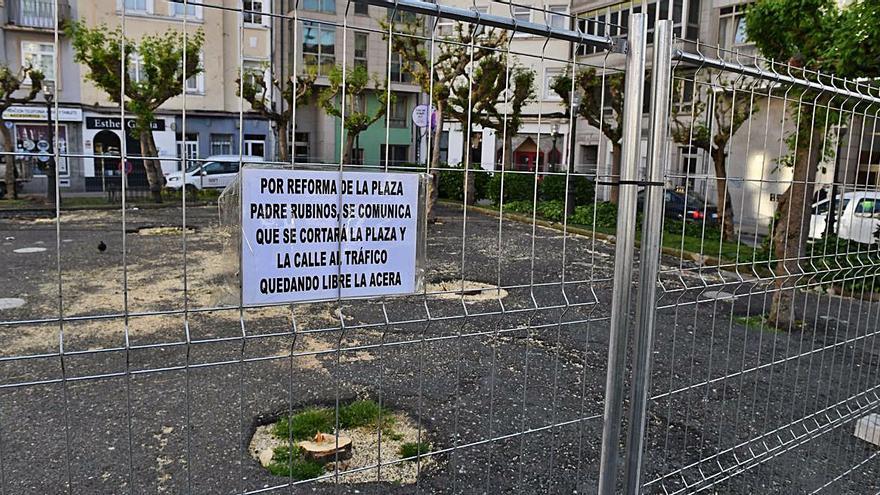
[
  {"x": 626, "y": 233},
  {"x": 649, "y": 258}
]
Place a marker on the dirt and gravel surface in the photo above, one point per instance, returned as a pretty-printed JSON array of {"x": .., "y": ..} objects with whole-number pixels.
[{"x": 157, "y": 391}]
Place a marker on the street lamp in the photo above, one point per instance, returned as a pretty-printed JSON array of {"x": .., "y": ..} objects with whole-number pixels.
[
  {"x": 572, "y": 146},
  {"x": 47, "y": 150},
  {"x": 554, "y": 133}
]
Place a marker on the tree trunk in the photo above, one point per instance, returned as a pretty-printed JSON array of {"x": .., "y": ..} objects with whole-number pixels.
[
  {"x": 616, "y": 152},
  {"x": 508, "y": 151},
  {"x": 725, "y": 206},
  {"x": 349, "y": 144},
  {"x": 283, "y": 143},
  {"x": 9, "y": 145},
  {"x": 152, "y": 166},
  {"x": 791, "y": 225},
  {"x": 434, "y": 163},
  {"x": 470, "y": 185}
]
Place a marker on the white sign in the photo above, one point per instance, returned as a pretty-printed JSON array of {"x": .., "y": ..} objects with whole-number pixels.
[
  {"x": 21, "y": 112},
  {"x": 422, "y": 115},
  {"x": 309, "y": 235}
]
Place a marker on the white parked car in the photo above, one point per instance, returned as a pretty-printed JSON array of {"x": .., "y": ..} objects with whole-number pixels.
[
  {"x": 858, "y": 216},
  {"x": 214, "y": 172}
]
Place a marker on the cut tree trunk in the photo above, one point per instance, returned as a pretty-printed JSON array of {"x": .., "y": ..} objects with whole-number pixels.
[
  {"x": 434, "y": 164},
  {"x": 616, "y": 152},
  {"x": 151, "y": 165},
  {"x": 792, "y": 224},
  {"x": 725, "y": 205},
  {"x": 326, "y": 448},
  {"x": 8, "y": 145}
]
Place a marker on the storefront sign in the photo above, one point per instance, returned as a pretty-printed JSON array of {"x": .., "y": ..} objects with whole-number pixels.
[
  {"x": 308, "y": 235},
  {"x": 113, "y": 123},
  {"x": 21, "y": 112}
]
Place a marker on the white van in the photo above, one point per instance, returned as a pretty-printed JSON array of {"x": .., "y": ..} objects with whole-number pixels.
[
  {"x": 214, "y": 172},
  {"x": 858, "y": 216}
]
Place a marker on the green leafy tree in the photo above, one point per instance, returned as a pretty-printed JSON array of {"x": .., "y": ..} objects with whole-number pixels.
[
  {"x": 816, "y": 35},
  {"x": 105, "y": 51},
  {"x": 439, "y": 68},
  {"x": 262, "y": 94},
  {"x": 708, "y": 123},
  {"x": 353, "y": 98},
  {"x": 589, "y": 85},
  {"x": 11, "y": 83},
  {"x": 478, "y": 99}
]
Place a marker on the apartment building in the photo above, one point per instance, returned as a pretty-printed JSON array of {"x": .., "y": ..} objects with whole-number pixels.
[
  {"x": 753, "y": 157},
  {"x": 329, "y": 34},
  {"x": 89, "y": 121},
  {"x": 543, "y": 136}
]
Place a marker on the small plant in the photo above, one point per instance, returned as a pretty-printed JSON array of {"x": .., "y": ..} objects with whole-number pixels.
[
  {"x": 755, "y": 322},
  {"x": 605, "y": 213},
  {"x": 413, "y": 450},
  {"x": 451, "y": 182},
  {"x": 518, "y": 207},
  {"x": 298, "y": 467},
  {"x": 306, "y": 424}
]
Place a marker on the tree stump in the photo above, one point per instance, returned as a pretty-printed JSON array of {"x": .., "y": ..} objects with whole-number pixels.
[{"x": 324, "y": 448}]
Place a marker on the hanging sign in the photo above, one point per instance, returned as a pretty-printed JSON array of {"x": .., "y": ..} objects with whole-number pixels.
[{"x": 310, "y": 235}]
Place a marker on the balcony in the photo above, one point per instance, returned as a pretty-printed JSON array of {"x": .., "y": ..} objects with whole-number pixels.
[{"x": 36, "y": 14}]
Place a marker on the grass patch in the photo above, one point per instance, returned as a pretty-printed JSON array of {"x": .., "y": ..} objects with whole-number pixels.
[
  {"x": 755, "y": 322},
  {"x": 304, "y": 425},
  {"x": 413, "y": 450},
  {"x": 298, "y": 467},
  {"x": 15, "y": 204}
]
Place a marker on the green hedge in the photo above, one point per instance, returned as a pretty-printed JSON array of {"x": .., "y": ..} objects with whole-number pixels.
[
  {"x": 451, "y": 183},
  {"x": 553, "y": 189},
  {"x": 517, "y": 187}
]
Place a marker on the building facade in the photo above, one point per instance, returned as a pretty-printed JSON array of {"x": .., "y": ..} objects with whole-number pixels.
[
  {"x": 328, "y": 34},
  {"x": 90, "y": 123}
]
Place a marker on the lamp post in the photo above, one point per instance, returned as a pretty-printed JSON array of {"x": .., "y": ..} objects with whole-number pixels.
[
  {"x": 49, "y": 160},
  {"x": 572, "y": 146},
  {"x": 554, "y": 133}
]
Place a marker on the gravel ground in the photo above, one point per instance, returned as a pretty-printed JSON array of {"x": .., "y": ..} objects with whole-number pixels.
[{"x": 523, "y": 360}]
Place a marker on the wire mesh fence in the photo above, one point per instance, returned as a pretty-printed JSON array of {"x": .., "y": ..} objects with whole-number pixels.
[{"x": 744, "y": 342}]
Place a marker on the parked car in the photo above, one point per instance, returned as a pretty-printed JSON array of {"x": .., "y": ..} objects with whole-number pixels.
[
  {"x": 858, "y": 216},
  {"x": 678, "y": 206},
  {"x": 215, "y": 172}
]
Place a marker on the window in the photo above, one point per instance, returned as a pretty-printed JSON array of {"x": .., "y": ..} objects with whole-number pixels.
[
  {"x": 255, "y": 145},
  {"x": 361, "y": 8},
  {"x": 39, "y": 56},
  {"x": 398, "y": 153},
  {"x": 557, "y": 17},
  {"x": 196, "y": 84},
  {"x": 181, "y": 9},
  {"x": 328, "y": 6},
  {"x": 397, "y": 73},
  {"x": 188, "y": 148},
  {"x": 136, "y": 68},
  {"x": 254, "y": 73},
  {"x": 868, "y": 207},
  {"x": 254, "y": 6},
  {"x": 319, "y": 47},
  {"x": 360, "y": 50},
  {"x": 614, "y": 20},
  {"x": 137, "y": 5},
  {"x": 221, "y": 144},
  {"x": 550, "y": 75},
  {"x": 445, "y": 27},
  {"x": 397, "y": 117},
  {"x": 732, "y": 27},
  {"x": 301, "y": 146},
  {"x": 522, "y": 14}
]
